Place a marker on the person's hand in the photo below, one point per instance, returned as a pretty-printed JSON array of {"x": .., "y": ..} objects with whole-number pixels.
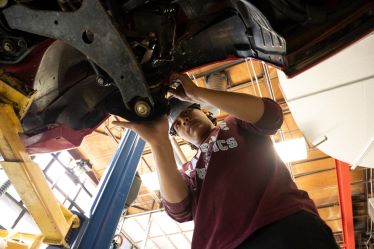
[
  {"x": 187, "y": 90},
  {"x": 154, "y": 132}
]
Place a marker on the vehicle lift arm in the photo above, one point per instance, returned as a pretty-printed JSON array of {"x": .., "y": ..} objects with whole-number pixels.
[{"x": 53, "y": 219}]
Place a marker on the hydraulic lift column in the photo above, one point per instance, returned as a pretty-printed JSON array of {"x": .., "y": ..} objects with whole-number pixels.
[{"x": 98, "y": 230}]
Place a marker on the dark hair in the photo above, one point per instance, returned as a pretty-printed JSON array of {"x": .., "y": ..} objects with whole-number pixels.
[{"x": 172, "y": 131}]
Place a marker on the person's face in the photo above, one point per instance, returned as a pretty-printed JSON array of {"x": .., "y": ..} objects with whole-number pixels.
[{"x": 193, "y": 126}]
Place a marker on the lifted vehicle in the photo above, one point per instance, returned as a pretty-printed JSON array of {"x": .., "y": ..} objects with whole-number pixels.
[{"x": 88, "y": 59}]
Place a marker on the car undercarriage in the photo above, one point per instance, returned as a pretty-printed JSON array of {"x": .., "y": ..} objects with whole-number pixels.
[{"x": 88, "y": 59}]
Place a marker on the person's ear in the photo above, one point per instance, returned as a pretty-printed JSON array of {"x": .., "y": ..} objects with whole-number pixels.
[{"x": 205, "y": 111}]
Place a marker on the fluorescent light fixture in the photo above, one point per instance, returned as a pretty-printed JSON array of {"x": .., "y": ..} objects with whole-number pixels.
[
  {"x": 150, "y": 181},
  {"x": 292, "y": 150}
]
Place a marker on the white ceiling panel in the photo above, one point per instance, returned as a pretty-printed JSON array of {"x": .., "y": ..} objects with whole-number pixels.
[
  {"x": 163, "y": 243},
  {"x": 181, "y": 240},
  {"x": 133, "y": 229},
  {"x": 186, "y": 226}
]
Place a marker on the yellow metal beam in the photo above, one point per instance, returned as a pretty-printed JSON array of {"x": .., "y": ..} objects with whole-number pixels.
[
  {"x": 20, "y": 240},
  {"x": 16, "y": 94},
  {"x": 53, "y": 219}
]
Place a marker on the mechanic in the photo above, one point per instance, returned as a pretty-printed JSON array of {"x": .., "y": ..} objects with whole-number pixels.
[{"x": 236, "y": 189}]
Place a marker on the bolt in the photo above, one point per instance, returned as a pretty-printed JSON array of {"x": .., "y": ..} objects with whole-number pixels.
[
  {"x": 142, "y": 109},
  {"x": 8, "y": 46},
  {"x": 100, "y": 80},
  {"x": 155, "y": 63},
  {"x": 22, "y": 43},
  {"x": 152, "y": 34},
  {"x": 167, "y": 10}
]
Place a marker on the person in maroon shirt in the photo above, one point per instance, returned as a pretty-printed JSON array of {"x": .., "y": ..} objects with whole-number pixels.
[{"x": 236, "y": 189}]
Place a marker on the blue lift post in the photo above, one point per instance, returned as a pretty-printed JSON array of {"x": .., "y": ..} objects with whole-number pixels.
[{"x": 98, "y": 230}]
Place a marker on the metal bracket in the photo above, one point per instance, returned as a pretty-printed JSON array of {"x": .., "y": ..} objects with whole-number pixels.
[{"x": 91, "y": 31}]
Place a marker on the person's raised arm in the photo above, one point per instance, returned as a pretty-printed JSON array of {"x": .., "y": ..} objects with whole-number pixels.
[
  {"x": 245, "y": 107},
  {"x": 172, "y": 186}
]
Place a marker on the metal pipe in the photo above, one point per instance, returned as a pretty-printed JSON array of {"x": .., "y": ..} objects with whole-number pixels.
[
  {"x": 272, "y": 95},
  {"x": 73, "y": 203},
  {"x": 268, "y": 81},
  {"x": 345, "y": 197},
  {"x": 251, "y": 78},
  {"x": 23, "y": 212},
  {"x": 146, "y": 233},
  {"x": 254, "y": 71}
]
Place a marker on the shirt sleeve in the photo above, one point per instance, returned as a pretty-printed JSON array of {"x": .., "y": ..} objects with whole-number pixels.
[
  {"x": 270, "y": 121},
  {"x": 181, "y": 211}
]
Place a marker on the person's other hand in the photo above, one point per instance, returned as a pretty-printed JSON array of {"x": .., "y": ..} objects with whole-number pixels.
[
  {"x": 154, "y": 132},
  {"x": 187, "y": 90}
]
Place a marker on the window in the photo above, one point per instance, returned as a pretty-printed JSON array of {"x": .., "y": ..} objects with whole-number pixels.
[{"x": 66, "y": 179}]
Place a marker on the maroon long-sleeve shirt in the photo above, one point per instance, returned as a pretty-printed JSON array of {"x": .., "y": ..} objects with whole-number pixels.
[{"x": 237, "y": 183}]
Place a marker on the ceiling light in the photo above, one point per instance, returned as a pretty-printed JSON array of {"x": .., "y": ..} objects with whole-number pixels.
[
  {"x": 217, "y": 81},
  {"x": 292, "y": 150},
  {"x": 150, "y": 181}
]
